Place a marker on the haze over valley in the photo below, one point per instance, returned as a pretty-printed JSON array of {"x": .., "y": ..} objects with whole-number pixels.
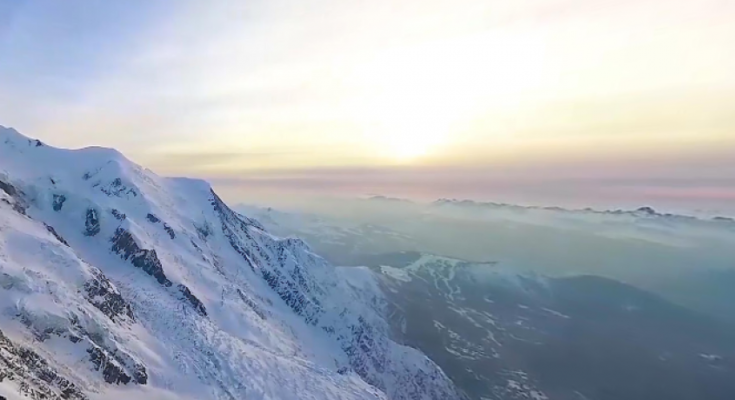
[{"x": 367, "y": 200}]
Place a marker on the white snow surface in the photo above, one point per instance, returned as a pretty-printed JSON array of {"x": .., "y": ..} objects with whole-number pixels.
[{"x": 217, "y": 308}]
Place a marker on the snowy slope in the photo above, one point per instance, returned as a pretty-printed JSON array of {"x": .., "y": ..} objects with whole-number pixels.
[{"x": 117, "y": 282}]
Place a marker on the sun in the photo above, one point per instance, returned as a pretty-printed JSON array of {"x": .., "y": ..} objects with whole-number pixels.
[
  {"x": 406, "y": 120},
  {"x": 407, "y": 148},
  {"x": 410, "y": 138},
  {"x": 411, "y": 100}
]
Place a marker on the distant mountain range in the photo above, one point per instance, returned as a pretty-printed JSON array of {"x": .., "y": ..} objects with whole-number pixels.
[
  {"x": 644, "y": 211},
  {"x": 641, "y": 212}
]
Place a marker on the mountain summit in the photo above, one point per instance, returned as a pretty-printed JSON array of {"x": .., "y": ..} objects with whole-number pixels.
[{"x": 117, "y": 282}]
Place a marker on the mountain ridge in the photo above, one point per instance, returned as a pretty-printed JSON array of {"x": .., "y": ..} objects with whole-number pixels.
[
  {"x": 167, "y": 289},
  {"x": 642, "y": 211}
]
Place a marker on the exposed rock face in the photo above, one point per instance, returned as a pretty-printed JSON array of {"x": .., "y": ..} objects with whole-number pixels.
[
  {"x": 252, "y": 304},
  {"x": 118, "y": 189},
  {"x": 196, "y": 303},
  {"x": 92, "y": 223},
  {"x": 118, "y": 215},
  {"x": 56, "y": 235},
  {"x": 154, "y": 220},
  {"x": 58, "y": 202},
  {"x": 103, "y": 295},
  {"x": 114, "y": 363},
  {"x": 283, "y": 285},
  {"x": 124, "y": 244},
  {"x": 113, "y": 370},
  {"x": 17, "y": 202},
  {"x": 33, "y": 375},
  {"x": 170, "y": 231},
  {"x": 9, "y": 189}
]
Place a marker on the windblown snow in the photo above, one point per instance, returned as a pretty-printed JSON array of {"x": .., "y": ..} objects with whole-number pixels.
[{"x": 115, "y": 282}]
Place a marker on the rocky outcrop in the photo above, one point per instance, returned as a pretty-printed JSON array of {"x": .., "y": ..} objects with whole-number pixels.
[
  {"x": 58, "y": 202},
  {"x": 113, "y": 368},
  {"x": 56, "y": 234},
  {"x": 105, "y": 296},
  {"x": 292, "y": 296},
  {"x": 154, "y": 220},
  {"x": 193, "y": 300},
  {"x": 124, "y": 244},
  {"x": 252, "y": 304},
  {"x": 118, "y": 215},
  {"x": 91, "y": 223},
  {"x": 118, "y": 189},
  {"x": 16, "y": 202},
  {"x": 170, "y": 231},
  {"x": 364, "y": 353},
  {"x": 9, "y": 189},
  {"x": 105, "y": 355},
  {"x": 35, "y": 378}
]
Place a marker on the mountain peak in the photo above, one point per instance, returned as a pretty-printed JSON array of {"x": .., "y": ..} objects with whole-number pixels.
[
  {"x": 9, "y": 136},
  {"x": 389, "y": 199},
  {"x": 116, "y": 276}
]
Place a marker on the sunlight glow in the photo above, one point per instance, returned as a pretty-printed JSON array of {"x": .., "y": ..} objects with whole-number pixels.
[
  {"x": 278, "y": 84},
  {"x": 411, "y": 101}
]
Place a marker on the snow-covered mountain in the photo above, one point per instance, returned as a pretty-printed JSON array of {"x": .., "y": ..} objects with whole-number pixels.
[
  {"x": 341, "y": 241},
  {"x": 117, "y": 282}
]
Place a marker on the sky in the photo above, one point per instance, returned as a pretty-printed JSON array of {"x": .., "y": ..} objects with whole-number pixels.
[{"x": 530, "y": 101}]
